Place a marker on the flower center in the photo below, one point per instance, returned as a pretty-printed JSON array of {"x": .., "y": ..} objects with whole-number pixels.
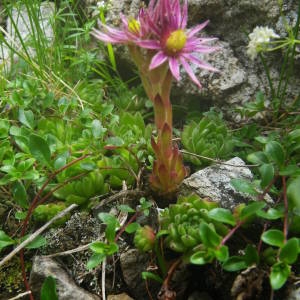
[
  {"x": 176, "y": 41},
  {"x": 134, "y": 26}
]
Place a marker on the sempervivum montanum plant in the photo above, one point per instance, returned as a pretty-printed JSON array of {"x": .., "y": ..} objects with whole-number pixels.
[
  {"x": 209, "y": 138},
  {"x": 159, "y": 44},
  {"x": 183, "y": 221}
]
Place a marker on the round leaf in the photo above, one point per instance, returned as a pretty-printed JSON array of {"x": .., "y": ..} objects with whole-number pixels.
[
  {"x": 251, "y": 209},
  {"x": 19, "y": 194},
  {"x": 199, "y": 258},
  {"x": 48, "y": 291},
  {"x": 267, "y": 174},
  {"x": 5, "y": 240},
  {"x": 26, "y": 118},
  {"x": 222, "y": 215},
  {"x": 279, "y": 275},
  {"x": 270, "y": 214},
  {"x": 39, "y": 149},
  {"x": 209, "y": 237},
  {"x": 293, "y": 192},
  {"x": 273, "y": 237},
  {"x": 132, "y": 227},
  {"x": 95, "y": 260},
  {"x": 275, "y": 152},
  {"x": 234, "y": 263},
  {"x": 243, "y": 186},
  {"x": 289, "y": 251}
]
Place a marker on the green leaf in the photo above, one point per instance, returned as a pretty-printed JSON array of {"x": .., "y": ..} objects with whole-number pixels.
[
  {"x": 289, "y": 251},
  {"x": 125, "y": 208},
  {"x": 5, "y": 240},
  {"x": 270, "y": 214},
  {"x": 289, "y": 170},
  {"x": 114, "y": 141},
  {"x": 243, "y": 186},
  {"x": 108, "y": 218},
  {"x": 208, "y": 235},
  {"x": 257, "y": 158},
  {"x": 39, "y": 149},
  {"x": 251, "y": 256},
  {"x": 20, "y": 215},
  {"x": 279, "y": 275},
  {"x": 267, "y": 174},
  {"x": 200, "y": 258},
  {"x": 88, "y": 166},
  {"x": 234, "y": 263},
  {"x": 48, "y": 291},
  {"x": 222, "y": 253},
  {"x": 251, "y": 209},
  {"x": 273, "y": 237},
  {"x": 112, "y": 224},
  {"x": 38, "y": 242},
  {"x": 61, "y": 160},
  {"x": 26, "y": 118},
  {"x": 4, "y": 127},
  {"x": 133, "y": 227},
  {"x": 95, "y": 260},
  {"x": 275, "y": 152},
  {"x": 104, "y": 248},
  {"x": 97, "y": 129},
  {"x": 293, "y": 193},
  {"x": 19, "y": 194},
  {"x": 222, "y": 215},
  {"x": 149, "y": 275}
]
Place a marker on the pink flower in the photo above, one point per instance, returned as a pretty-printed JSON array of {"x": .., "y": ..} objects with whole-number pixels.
[{"x": 161, "y": 28}]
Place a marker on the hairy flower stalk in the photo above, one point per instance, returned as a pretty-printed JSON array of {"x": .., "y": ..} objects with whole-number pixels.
[{"x": 160, "y": 44}]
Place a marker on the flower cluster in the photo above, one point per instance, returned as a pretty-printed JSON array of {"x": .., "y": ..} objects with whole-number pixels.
[
  {"x": 162, "y": 28},
  {"x": 259, "y": 39},
  {"x": 159, "y": 44}
]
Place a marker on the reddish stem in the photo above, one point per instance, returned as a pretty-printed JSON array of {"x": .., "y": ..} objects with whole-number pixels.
[
  {"x": 231, "y": 232},
  {"x": 122, "y": 229},
  {"x": 36, "y": 198},
  {"x": 29, "y": 213},
  {"x": 165, "y": 292},
  {"x": 267, "y": 189}
]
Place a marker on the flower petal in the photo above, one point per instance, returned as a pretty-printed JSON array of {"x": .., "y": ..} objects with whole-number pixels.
[
  {"x": 190, "y": 72},
  {"x": 149, "y": 44},
  {"x": 158, "y": 59},
  {"x": 184, "y": 15},
  {"x": 174, "y": 67},
  {"x": 200, "y": 63},
  {"x": 196, "y": 29},
  {"x": 108, "y": 38}
]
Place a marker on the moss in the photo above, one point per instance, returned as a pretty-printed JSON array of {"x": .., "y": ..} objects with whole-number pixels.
[{"x": 11, "y": 279}]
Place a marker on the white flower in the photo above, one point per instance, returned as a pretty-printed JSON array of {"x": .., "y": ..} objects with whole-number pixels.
[
  {"x": 100, "y": 4},
  {"x": 258, "y": 38}
]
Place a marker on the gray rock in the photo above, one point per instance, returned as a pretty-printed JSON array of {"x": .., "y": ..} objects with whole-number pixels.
[
  {"x": 293, "y": 291},
  {"x": 214, "y": 182},
  {"x": 22, "y": 30},
  {"x": 216, "y": 86},
  {"x": 66, "y": 288},
  {"x": 21, "y": 19},
  {"x": 231, "y": 21},
  {"x": 80, "y": 230},
  {"x": 122, "y": 296}
]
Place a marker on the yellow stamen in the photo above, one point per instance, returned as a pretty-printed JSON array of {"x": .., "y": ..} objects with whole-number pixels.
[
  {"x": 134, "y": 26},
  {"x": 176, "y": 41}
]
